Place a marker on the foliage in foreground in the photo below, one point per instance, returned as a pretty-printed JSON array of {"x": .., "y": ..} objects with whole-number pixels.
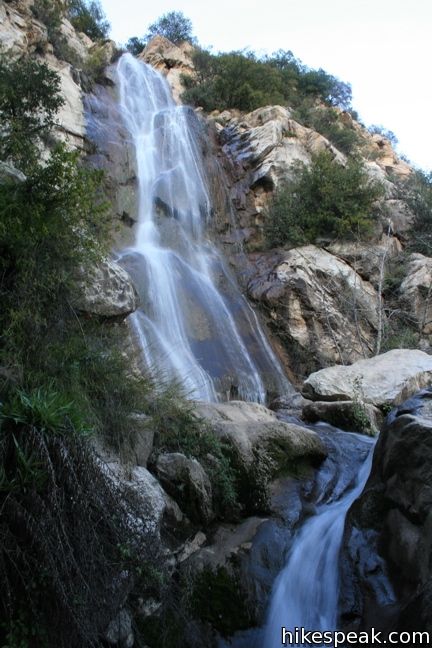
[
  {"x": 69, "y": 535},
  {"x": 324, "y": 199}
]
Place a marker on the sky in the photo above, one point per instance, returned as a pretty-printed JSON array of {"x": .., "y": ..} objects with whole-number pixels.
[{"x": 382, "y": 47}]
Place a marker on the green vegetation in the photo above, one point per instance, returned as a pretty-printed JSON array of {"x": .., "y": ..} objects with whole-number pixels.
[
  {"x": 62, "y": 378},
  {"x": 327, "y": 121},
  {"x": 135, "y": 45},
  {"x": 324, "y": 199},
  {"x": 245, "y": 81},
  {"x": 29, "y": 101},
  {"x": 384, "y": 132},
  {"x": 87, "y": 16},
  {"x": 179, "y": 429},
  {"x": 174, "y": 26},
  {"x": 218, "y": 599},
  {"x": 417, "y": 192},
  {"x": 65, "y": 532}
]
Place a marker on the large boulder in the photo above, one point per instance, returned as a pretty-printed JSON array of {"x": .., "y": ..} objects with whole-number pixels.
[
  {"x": 107, "y": 292},
  {"x": 187, "y": 482},
  {"x": 386, "y": 566},
  {"x": 318, "y": 304},
  {"x": 350, "y": 416},
  {"x": 416, "y": 291},
  {"x": 385, "y": 379},
  {"x": 260, "y": 447}
]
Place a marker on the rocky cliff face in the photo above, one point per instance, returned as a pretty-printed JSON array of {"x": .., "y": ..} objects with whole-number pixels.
[{"x": 323, "y": 305}]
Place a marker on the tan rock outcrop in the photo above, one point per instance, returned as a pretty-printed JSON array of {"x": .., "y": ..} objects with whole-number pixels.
[
  {"x": 416, "y": 291},
  {"x": 367, "y": 259},
  {"x": 270, "y": 142},
  {"x": 320, "y": 303},
  {"x": 171, "y": 60}
]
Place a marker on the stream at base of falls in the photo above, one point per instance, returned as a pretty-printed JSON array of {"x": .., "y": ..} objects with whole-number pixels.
[{"x": 305, "y": 593}]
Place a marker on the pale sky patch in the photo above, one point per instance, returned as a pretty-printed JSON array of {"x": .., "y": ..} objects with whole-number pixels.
[{"x": 382, "y": 47}]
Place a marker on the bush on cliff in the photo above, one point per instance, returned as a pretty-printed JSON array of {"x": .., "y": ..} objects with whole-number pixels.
[
  {"x": 29, "y": 102},
  {"x": 88, "y": 16},
  {"x": 245, "y": 81},
  {"x": 417, "y": 192},
  {"x": 324, "y": 199}
]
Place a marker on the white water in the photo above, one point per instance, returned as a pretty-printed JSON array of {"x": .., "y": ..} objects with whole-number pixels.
[
  {"x": 306, "y": 592},
  {"x": 186, "y": 326}
]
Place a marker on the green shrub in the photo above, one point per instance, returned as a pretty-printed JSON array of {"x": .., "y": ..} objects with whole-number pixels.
[
  {"x": 324, "y": 199},
  {"x": 327, "y": 122},
  {"x": 173, "y": 25},
  {"x": 135, "y": 45},
  {"x": 179, "y": 429},
  {"x": 66, "y": 540},
  {"x": 87, "y": 16},
  {"x": 417, "y": 192},
  {"x": 245, "y": 81},
  {"x": 29, "y": 101},
  {"x": 50, "y": 225}
]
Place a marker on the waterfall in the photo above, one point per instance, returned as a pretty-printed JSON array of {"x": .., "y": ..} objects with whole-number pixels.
[
  {"x": 306, "y": 592},
  {"x": 193, "y": 324}
]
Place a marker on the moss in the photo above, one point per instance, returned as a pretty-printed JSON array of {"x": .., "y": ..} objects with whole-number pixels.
[{"x": 219, "y": 599}]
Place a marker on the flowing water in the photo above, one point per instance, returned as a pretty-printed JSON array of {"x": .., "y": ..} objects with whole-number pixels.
[
  {"x": 306, "y": 592},
  {"x": 188, "y": 327}
]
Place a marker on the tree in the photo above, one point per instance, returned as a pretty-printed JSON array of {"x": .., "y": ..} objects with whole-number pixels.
[
  {"x": 384, "y": 132},
  {"x": 173, "y": 25},
  {"x": 29, "y": 101},
  {"x": 88, "y": 16},
  {"x": 324, "y": 199},
  {"x": 135, "y": 45}
]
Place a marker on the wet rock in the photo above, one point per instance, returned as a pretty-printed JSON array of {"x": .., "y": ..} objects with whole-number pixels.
[
  {"x": 385, "y": 379},
  {"x": 386, "y": 567},
  {"x": 188, "y": 483},
  {"x": 351, "y": 416},
  {"x": 107, "y": 292}
]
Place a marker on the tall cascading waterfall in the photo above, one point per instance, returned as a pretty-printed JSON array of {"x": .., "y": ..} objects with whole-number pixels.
[{"x": 186, "y": 326}]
